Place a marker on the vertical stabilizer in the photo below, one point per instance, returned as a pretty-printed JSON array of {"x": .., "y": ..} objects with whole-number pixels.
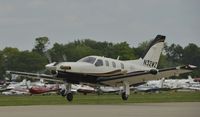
[{"x": 152, "y": 54}]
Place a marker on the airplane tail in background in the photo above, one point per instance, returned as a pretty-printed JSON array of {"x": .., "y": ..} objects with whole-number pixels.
[
  {"x": 28, "y": 84},
  {"x": 190, "y": 79},
  {"x": 152, "y": 54},
  {"x": 23, "y": 82},
  {"x": 161, "y": 82}
]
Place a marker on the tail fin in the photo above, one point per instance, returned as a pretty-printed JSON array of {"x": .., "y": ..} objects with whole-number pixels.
[
  {"x": 23, "y": 82},
  {"x": 161, "y": 82},
  {"x": 41, "y": 80},
  {"x": 190, "y": 79},
  {"x": 28, "y": 84},
  {"x": 152, "y": 54}
]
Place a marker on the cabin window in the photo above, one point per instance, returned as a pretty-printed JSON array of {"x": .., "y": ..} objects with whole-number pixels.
[
  {"x": 122, "y": 65},
  {"x": 99, "y": 63},
  {"x": 107, "y": 63},
  {"x": 114, "y": 64},
  {"x": 88, "y": 60}
]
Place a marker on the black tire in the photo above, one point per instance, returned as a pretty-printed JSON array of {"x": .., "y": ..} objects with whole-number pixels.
[
  {"x": 124, "y": 96},
  {"x": 69, "y": 97}
]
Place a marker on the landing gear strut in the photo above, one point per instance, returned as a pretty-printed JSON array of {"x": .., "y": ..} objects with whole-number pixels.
[
  {"x": 69, "y": 94},
  {"x": 126, "y": 91},
  {"x": 98, "y": 90}
]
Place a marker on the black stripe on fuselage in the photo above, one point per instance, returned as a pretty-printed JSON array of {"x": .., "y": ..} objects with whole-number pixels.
[
  {"x": 133, "y": 74},
  {"x": 78, "y": 77},
  {"x": 87, "y": 78}
]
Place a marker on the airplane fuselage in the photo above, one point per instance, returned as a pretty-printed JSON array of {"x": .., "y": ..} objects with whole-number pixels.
[{"x": 89, "y": 68}]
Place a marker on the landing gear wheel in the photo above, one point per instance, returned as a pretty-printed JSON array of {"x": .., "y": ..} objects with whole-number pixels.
[
  {"x": 69, "y": 97},
  {"x": 124, "y": 96}
]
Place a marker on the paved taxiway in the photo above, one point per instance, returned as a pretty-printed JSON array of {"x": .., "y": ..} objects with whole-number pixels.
[{"x": 128, "y": 110}]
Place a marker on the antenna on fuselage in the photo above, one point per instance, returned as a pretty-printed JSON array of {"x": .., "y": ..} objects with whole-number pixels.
[
  {"x": 118, "y": 57},
  {"x": 64, "y": 57}
]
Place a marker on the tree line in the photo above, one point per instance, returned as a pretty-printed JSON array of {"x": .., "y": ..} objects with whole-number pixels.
[{"x": 35, "y": 60}]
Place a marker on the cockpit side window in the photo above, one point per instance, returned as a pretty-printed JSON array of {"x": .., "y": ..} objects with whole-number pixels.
[
  {"x": 88, "y": 60},
  {"x": 99, "y": 63}
]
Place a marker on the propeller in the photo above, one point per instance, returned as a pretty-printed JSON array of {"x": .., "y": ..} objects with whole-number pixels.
[{"x": 52, "y": 66}]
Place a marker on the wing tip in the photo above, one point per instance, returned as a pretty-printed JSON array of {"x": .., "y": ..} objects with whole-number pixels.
[{"x": 190, "y": 67}]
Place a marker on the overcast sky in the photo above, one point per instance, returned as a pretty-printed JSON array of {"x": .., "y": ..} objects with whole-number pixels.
[{"x": 63, "y": 21}]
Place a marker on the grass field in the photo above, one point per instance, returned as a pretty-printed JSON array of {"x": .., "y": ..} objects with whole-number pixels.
[{"x": 102, "y": 99}]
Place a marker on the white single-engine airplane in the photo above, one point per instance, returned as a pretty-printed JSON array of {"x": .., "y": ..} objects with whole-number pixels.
[{"x": 98, "y": 70}]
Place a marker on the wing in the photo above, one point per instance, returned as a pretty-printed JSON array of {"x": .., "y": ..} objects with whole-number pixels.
[
  {"x": 36, "y": 76},
  {"x": 138, "y": 77}
]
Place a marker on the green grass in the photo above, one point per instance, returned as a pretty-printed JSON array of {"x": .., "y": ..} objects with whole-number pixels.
[{"x": 102, "y": 99}]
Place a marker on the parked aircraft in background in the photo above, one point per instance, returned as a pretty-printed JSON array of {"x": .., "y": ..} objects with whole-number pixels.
[
  {"x": 24, "y": 87},
  {"x": 169, "y": 84},
  {"x": 197, "y": 79},
  {"x": 3, "y": 88},
  {"x": 15, "y": 88},
  {"x": 2, "y": 82},
  {"x": 181, "y": 83},
  {"x": 151, "y": 86},
  {"x": 44, "y": 89},
  {"x": 108, "y": 89},
  {"x": 96, "y": 70},
  {"x": 14, "y": 85},
  {"x": 38, "y": 83},
  {"x": 85, "y": 89}
]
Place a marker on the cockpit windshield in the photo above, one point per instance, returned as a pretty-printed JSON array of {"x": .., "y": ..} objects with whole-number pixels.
[{"x": 88, "y": 60}]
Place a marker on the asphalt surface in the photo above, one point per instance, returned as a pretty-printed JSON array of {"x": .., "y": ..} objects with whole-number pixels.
[{"x": 129, "y": 110}]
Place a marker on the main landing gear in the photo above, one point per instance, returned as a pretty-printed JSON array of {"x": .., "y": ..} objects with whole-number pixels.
[
  {"x": 69, "y": 96},
  {"x": 126, "y": 91},
  {"x": 67, "y": 92}
]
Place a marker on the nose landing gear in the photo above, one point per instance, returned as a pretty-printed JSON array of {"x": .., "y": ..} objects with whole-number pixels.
[
  {"x": 69, "y": 94},
  {"x": 126, "y": 91}
]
